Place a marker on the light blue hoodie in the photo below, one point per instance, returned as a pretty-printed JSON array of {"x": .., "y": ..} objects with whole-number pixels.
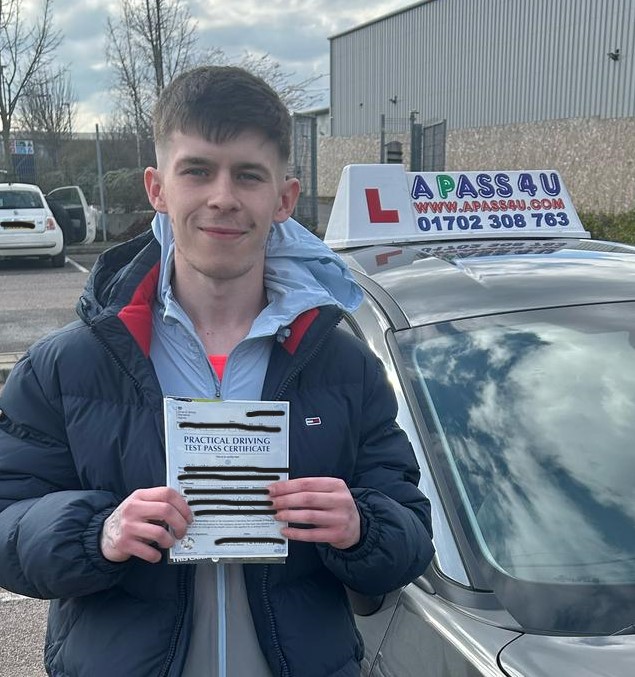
[{"x": 301, "y": 273}]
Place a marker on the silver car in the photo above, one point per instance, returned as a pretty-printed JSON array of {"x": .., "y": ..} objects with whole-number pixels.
[{"x": 512, "y": 355}]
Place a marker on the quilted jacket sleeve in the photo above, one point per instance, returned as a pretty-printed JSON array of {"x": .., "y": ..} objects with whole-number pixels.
[
  {"x": 396, "y": 543},
  {"x": 49, "y": 526}
]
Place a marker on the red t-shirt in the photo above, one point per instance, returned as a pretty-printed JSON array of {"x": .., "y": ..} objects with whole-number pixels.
[{"x": 218, "y": 362}]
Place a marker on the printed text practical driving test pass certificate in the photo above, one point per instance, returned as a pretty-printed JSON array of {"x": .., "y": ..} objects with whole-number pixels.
[{"x": 221, "y": 457}]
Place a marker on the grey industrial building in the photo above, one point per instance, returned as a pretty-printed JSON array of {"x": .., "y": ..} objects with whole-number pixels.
[{"x": 512, "y": 84}]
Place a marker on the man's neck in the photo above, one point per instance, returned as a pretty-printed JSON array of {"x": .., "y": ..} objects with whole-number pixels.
[{"x": 222, "y": 311}]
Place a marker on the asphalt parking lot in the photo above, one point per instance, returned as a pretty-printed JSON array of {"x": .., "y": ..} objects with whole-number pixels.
[{"x": 22, "y": 630}]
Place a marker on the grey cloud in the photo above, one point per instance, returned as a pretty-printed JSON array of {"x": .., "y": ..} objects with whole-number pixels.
[{"x": 297, "y": 44}]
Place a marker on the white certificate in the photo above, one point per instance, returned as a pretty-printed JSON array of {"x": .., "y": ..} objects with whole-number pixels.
[{"x": 221, "y": 457}]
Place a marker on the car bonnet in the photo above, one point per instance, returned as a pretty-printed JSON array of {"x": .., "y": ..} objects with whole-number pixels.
[{"x": 541, "y": 655}]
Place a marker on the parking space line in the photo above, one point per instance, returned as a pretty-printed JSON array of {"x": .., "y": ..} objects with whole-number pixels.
[{"x": 77, "y": 265}]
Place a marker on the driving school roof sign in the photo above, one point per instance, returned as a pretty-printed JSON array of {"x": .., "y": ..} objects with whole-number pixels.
[{"x": 380, "y": 204}]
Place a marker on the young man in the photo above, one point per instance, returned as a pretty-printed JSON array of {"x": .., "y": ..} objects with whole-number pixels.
[{"x": 226, "y": 297}]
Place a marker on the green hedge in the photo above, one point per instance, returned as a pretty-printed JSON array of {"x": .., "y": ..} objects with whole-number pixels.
[
  {"x": 124, "y": 191},
  {"x": 612, "y": 227}
]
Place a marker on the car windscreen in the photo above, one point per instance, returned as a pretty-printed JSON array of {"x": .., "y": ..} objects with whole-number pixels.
[
  {"x": 20, "y": 199},
  {"x": 534, "y": 418}
]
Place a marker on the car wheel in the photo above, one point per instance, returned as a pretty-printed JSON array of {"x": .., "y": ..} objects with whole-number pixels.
[{"x": 59, "y": 260}]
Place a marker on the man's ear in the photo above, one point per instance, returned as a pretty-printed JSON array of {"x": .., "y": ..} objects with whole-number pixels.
[
  {"x": 154, "y": 189},
  {"x": 288, "y": 199}
]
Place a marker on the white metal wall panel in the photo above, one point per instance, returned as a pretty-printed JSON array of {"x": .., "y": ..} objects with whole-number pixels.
[{"x": 479, "y": 63}]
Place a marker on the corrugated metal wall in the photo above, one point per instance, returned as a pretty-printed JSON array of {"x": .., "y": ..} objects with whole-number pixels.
[{"x": 479, "y": 63}]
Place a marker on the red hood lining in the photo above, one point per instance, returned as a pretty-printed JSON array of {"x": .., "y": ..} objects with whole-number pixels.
[{"x": 137, "y": 315}]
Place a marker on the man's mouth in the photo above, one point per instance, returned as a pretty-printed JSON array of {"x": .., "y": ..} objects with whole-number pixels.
[{"x": 222, "y": 232}]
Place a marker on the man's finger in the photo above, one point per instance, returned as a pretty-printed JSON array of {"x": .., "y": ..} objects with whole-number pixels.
[
  {"x": 145, "y": 552},
  {"x": 322, "y": 518},
  {"x": 309, "y": 499},
  {"x": 153, "y": 533},
  {"x": 162, "y": 495},
  {"x": 301, "y": 484},
  {"x": 153, "y": 511},
  {"x": 340, "y": 537}
]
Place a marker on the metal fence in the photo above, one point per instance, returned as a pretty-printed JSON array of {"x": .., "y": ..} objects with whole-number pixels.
[
  {"x": 426, "y": 140},
  {"x": 433, "y": 146},
  {"x": 304, "y": 168}
]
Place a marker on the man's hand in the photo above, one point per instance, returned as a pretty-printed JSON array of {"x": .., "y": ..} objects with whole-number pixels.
[
  {"x": 141, "y": 520},
  {"x": 323, "y": 502}
]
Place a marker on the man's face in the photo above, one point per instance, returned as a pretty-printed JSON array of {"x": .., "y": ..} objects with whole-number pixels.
[{"x": 222, "y": 199}]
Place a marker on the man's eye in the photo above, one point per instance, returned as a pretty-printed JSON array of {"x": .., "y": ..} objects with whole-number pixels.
[
  {"x": 249, "y": 176},
  {"x": 195, "y": 171}
]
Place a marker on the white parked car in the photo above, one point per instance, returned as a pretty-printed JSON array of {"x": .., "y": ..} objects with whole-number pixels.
[{"x": 27, "y": 225}]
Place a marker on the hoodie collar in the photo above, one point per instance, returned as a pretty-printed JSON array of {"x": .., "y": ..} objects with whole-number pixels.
[{"x": 301, "y": 273}]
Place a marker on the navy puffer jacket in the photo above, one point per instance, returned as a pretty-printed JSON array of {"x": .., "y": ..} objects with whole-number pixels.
[{"x": 81, "y": 427}]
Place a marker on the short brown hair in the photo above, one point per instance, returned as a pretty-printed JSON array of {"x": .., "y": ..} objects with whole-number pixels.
[{"x": 220, "y": 102}]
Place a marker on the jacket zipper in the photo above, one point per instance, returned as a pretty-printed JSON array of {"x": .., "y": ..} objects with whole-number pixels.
[
  {"x": 116, "y": 360},
  {"x": 272, "y": 624},
  {"x": 265, "y": 577},
  {"x": 179, "y": 624}
]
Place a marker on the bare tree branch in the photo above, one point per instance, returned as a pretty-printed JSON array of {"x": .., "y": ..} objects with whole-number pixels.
[
  {"x": 151, "y": 42},
  {"x": 295, "y": 94},
  {"x": 47, "y": 108},
  {"x": 23, "y": 51}
]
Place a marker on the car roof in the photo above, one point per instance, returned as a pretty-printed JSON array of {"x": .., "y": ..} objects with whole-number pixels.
[
  {"x": 20, "y": 186},
  {"x": 431, "y": 283}
]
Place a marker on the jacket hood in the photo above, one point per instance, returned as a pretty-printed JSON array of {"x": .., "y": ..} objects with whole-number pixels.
[{"x": 301, "y": 272}]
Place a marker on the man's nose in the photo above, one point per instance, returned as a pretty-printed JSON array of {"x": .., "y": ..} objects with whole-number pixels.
[{"x": 222, "y": 193}]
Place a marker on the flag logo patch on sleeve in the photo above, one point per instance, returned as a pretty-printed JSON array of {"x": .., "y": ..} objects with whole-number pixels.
[{"x": 313, "y": 420}]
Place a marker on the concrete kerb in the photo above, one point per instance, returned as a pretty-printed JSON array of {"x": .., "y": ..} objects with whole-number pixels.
[{"x": 94, "y": 248}]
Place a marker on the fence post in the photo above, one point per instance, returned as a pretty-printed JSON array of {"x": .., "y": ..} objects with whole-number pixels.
[
  {"x": 382, "y": 138},
  {"x": 416, "y": 142}
]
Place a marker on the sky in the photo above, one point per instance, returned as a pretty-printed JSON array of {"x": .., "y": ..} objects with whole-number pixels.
[{"x": 293, "y": 32}]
